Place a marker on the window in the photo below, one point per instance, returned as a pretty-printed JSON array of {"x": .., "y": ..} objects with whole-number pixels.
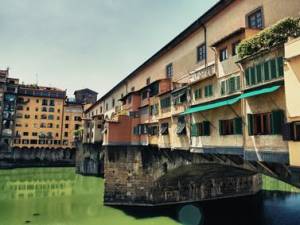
[
  {"x": 230, "y": 85},
  {"x": 164, "y": 129},
  {"x": 37, "y": 101},
  {"x": 51, "y": 109},
  {"x": 144, "y": 94},
  {"x": 43, "y": 125},
  {"x": 50, "y": 125},
  {"x": 266, "y": 123},
  {"x": 200, "y": 129},
  {"x": 234, "y": 47},
  {"x": 52, "y": 102},
  {"x": 153, "y": 110},
  {"x": 197, "y": 93},
  {"x": 179, "y": 97},
  {"x": 129, "y": 99},
  {"x": 58, "y": 118},
  {"x": 27, "y": 116},
  {"x": 165, "y": 102},
  {"x": 66, "y": 134},
  {"x": 34, "y": 134},
  {"x": 231, "y": 127},
  {"x": 132, "y": 89},
  {"x": 50, "y": 117},
  {"x": 264, "y": 72},
  {"x": 25, "y": 133},
  {"x": 43, "y": 116},
  {"x": 57, "y": 125},
  {"x": 201, "y": 52},
  {"x": 153, "y": 130},
  {"x": 255, "y": 19},
  {"x": 36, "y": 109},
  {"x": 33, "y": 142},
  {"x": 181, "y": 129},
  {"x": 58, "y": 110},
  {"x": 77, "y": 118},
  {"x": 27, "y": 109},
  {"x": 67, "y": 117},
  {"x": 148, "y": 81},
  {"x": 169, "y": 70},
  {"x": 44, "y": 102},
  {"x": 208, "y": 90},
  {"x": 106, "y": 106},
  {"x": 66, "y": 125},
  {"x": 223, "y": 54},
  {"x": 44, "y": 109}
]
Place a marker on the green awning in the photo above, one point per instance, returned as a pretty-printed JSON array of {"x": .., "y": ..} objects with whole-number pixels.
[
  {"x": 211, "y": 106},
  {"x": 260, "y": 91},
  {"x": 230, "y": 101}
]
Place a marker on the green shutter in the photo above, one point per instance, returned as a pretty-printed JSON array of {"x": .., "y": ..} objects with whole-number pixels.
[
  {"x": 194, "y": 130},
  {"x": 258, "y": 74},
  {"x": 238, "y": 83},
  {"x": 206, "y": 128},
  {"x": 277, "y": 120},
  {"x": 247, "y": 76},
  {"x": 280, "y": 68},
  {"x": 221, "y": 127},
  {"x": 273, "y": 69},
  {"x": 238, "y": 125},
  {"x": 266, "y": 71},
  {"x": 210, "y": 90},
  {"x": 250, "y": 124},
  {"x": 252, "y": 76},
  {"x": 223, "y": 86}
]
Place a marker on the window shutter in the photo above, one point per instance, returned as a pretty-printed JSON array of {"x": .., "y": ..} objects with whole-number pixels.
[
  {"x": 277, "y": 121},
  {"x": 266, "y": 71},
  {"x": 258, "y": 74},
  {"x": 194, "y": 130},
  {"x": 238, "y": 125},
  {"x": 210, "y": 90},
  {"x": 280, "y": 67},
  {"x": 252, "y": 76},
  {"x": 238, "y": 83},
  {"x": 288, "y": 132},
  {"x": 250, "y": 124},
  {"x": 223, "y": 86},
  {"x": 206, "y": 128},
  {"x": 221, "y": 127},
  {"x": 247, "y": 76},
  {"x": 273, "y": 69}
]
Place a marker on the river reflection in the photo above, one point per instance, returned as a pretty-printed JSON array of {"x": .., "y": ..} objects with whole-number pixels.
[{"x": 59, "y": 197}]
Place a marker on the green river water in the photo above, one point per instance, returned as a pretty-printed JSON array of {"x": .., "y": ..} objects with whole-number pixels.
[{"x": 57, "y": 196}]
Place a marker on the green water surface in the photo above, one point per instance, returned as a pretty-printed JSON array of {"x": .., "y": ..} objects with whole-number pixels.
[{"x": 46, "y": 196}]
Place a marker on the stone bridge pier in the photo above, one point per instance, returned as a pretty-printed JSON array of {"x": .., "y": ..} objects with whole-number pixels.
[
  {"x": 151, "y": 176},
  {"x": 89, "y": 159}
]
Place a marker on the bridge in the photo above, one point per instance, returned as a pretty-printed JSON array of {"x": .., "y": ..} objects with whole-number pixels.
[{"x": 180, "y": 129}]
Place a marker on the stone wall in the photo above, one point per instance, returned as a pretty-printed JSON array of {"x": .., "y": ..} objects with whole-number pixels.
[
  {"x": 18, "y": 157},
  {"x": 148, "y": 176},
  {"x": 89, "y": 159}
]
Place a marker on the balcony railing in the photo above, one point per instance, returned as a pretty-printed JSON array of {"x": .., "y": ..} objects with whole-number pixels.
[{"x": 204, "y": 73}]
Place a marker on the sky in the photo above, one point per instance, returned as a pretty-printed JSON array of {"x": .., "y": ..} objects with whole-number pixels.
[{"x": 75, "y": 44}]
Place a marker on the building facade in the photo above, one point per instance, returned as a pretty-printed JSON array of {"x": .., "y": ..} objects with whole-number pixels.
[
  {"x": 85, "y": 96},
  {"x": 203, "y": 92}
]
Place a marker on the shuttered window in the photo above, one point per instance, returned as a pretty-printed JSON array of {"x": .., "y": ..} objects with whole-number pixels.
[
  {"x": 165, "y": 102},
  {"x": 230, "y": 85},
  {"x": 231, "y": 127},
  {"x": 198, "y": 93},
  {"x": 265, "y": 71},
  {"x": 200, "y": 129},
  {"x": 266, "y": 123},
  {"x": 208, "y": 91}
]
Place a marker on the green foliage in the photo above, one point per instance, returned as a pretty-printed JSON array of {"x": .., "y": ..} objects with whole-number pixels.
[{"x": 269, "y": 37}]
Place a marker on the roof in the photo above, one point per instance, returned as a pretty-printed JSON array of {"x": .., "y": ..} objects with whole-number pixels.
[
  {"x": 85, "y": 90},
  {"x": 214, "y": 10}
]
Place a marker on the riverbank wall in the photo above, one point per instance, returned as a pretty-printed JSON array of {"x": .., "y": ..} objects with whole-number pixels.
[{"x": 20, "y": 158}]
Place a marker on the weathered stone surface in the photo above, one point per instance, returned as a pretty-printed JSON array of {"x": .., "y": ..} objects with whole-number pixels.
[
  {"x": 89, "y": 159},
  {"x": 148, "y": 176}
]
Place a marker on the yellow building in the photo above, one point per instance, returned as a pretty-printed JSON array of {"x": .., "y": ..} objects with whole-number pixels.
[
  {"x": 72, "y": 123},
  {"x": 39, "y": 117}
]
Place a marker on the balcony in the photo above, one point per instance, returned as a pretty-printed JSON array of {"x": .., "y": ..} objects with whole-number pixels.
[{"x": 202, "y": 73}]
